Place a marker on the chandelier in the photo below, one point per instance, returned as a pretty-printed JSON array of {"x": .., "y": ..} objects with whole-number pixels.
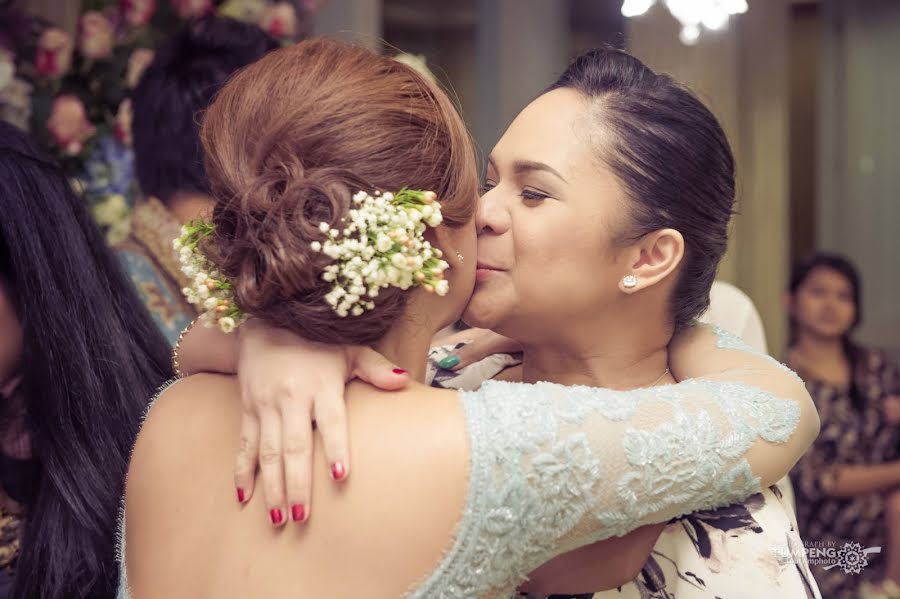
[{"x": 692, "y": 14}]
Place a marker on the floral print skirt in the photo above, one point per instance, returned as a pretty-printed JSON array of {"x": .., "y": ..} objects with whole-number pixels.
[{"x": 749, "y": 550}]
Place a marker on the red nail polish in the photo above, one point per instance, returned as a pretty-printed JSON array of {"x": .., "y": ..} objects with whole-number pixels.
[
  {"x": 337, "y": 471},
  {"x": 298, "y": 513},
  {"x": 276, "y": 516},
  {"x": 399, "y": 371},
  {"x": 240, "y": 494}
]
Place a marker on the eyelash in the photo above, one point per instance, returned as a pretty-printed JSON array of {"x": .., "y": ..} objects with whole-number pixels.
[
  {"x": 533, "y": 196},
  {"x": 528, "y": 195}
]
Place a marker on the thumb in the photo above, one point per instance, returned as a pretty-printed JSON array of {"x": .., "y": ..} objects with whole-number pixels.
[{"x": 368, "y": 365}]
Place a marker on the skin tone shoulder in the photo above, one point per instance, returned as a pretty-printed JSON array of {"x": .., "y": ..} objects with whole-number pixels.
[{"x": 384, "y": 528}]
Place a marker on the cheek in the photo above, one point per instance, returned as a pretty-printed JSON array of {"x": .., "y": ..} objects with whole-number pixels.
[
  {"x": 807, "y": 306},
  {"x": 848, "y": 310},
  {"x": 562, "y": 260}
]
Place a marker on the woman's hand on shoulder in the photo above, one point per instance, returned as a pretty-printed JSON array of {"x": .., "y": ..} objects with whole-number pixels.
[{"x": 288, "y": 385}]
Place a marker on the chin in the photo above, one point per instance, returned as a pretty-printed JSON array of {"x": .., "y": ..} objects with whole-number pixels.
[
  {"x": 830, "y": 331},
  {"x": 482, "y": 312}
]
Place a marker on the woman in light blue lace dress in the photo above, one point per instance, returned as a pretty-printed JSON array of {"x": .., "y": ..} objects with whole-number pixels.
[{"x": 463, "y": 494}]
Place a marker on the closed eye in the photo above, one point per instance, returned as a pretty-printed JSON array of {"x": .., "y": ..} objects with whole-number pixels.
[{"x": 530, "y": 195}]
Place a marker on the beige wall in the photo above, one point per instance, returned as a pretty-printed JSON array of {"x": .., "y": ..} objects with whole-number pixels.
[
  {"x": 352, "y": 20},
  {"x": 859, "y": 154},
  {"x": 741, "y": 73}
]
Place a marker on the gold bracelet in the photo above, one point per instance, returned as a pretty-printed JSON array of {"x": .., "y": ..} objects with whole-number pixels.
[{"x": 175, "y": 365}]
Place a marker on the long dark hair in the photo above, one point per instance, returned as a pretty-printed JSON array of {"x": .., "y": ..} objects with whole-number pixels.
[
  {"x": 855, "y": 354},
  {"x": 672, "y": 158},
  {"x": 91, "y": 359}
]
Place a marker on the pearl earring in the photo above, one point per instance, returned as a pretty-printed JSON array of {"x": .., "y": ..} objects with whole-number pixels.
[
  {"x": 459, "y": 257},
  {"x": 629, "y": 282}
]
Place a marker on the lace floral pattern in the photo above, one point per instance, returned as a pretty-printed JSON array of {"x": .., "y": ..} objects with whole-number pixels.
[
  {"x": 554, "y": 468},
  {"x": 728, "y": 340}
]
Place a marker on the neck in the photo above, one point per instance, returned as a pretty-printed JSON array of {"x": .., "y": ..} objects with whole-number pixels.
[
  {"x": 188, "y": 206},
  {"x": 816, "y": 347},
  {"x": 606, "y": 355}
]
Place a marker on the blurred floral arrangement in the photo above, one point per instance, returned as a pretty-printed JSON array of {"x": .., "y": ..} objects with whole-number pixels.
[{"x": 71, "y": 92}]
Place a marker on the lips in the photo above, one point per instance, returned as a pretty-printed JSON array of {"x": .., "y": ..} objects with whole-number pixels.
[
  {"x": 485, "y": 266},
  {"x": 484, "y": 271}
]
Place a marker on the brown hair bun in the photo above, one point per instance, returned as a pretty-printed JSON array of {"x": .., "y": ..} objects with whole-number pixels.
[{"x": 289, "y": 140}]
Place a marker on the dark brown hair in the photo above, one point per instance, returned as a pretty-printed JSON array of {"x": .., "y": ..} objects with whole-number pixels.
[
  {"x": 672, "y": 158},
  {"x": 289, "y": 140},
  {"x": 186, "y": 72}
]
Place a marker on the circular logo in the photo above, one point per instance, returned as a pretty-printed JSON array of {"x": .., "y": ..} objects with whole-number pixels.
[{"x": 851, "y": 558}]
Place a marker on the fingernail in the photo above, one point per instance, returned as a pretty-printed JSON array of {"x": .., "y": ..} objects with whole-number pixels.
[
  {"x": 449, "y": 362},
  {"x": 240, "y": 494},
  {"x": 298, "y": 512},
  {"x": 398, "y": 371},
  {"x": 276, "y": 516},
  {"x": 337, "y": 471}
]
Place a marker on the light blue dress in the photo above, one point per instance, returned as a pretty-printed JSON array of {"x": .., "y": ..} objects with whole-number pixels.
[{"x": 553, "y": 468}]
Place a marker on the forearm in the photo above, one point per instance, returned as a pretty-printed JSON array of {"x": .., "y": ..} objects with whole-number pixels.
[
  {"x": 208, "y": 349},
  {"x": 598, "y": 567},
  {"x": 851, "y": 480}
]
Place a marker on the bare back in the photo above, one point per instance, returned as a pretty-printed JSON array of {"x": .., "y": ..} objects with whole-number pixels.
[{"x": 382, "y": 530}]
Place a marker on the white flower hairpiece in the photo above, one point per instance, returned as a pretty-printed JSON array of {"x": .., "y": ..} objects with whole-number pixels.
[
  {"x": 382, "y": 245},
  {"x": 209, "y": 288}
]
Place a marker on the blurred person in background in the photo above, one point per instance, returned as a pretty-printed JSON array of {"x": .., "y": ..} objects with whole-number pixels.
[
  {"x": 186, "y": 72},
  {"x": 79, "y": 355},
  {"x": 846, "y": 484}
]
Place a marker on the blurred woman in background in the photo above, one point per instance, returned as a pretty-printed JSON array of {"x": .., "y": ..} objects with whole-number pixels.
[
  {"x": 187, "y": 70},
  {"x": 846, "y": 483}
]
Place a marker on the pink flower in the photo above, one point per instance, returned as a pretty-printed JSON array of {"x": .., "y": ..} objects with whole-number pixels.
[
  {"x": 53, "y": 56},
  {"x": 138, "y": 62},
  {"x": 279, "y": 20},
  {"x": 122, "y": 128},
  {"x": 137, "y": 12},
  {"x": 68, "y": 124},
  {"x": 192, "y": 8},
  {"x": 97, "y": 35}
]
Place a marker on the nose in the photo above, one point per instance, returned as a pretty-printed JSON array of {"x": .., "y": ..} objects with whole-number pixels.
[{"x": 492, "y": 215}]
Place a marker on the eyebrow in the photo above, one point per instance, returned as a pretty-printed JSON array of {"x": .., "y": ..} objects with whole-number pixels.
[{"x": 524, "y": 166}]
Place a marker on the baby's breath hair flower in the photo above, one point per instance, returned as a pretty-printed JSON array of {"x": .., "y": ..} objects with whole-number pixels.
[
  {"x": 382, "y": 244},
  {"x": 209, "y": 289}
]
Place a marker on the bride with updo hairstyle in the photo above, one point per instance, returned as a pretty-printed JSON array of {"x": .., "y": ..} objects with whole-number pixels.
[
  {"x": 289, "y": 142},
  {"x": 455, "y": 494}
]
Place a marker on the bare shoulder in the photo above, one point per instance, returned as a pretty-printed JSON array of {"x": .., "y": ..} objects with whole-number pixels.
[
  {"x": 188, "y": 410},
  {"x": 405, "y": 496},
  {"x": 189, "y": 425}
]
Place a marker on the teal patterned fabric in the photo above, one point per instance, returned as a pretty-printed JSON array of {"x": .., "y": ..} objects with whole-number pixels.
[{"x": 162, "y": 299}]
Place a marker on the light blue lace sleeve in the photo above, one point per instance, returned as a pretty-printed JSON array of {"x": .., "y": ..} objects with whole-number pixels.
[
  {"x": 728, "y": 340},
  {"x": 554, "y": 468}
]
